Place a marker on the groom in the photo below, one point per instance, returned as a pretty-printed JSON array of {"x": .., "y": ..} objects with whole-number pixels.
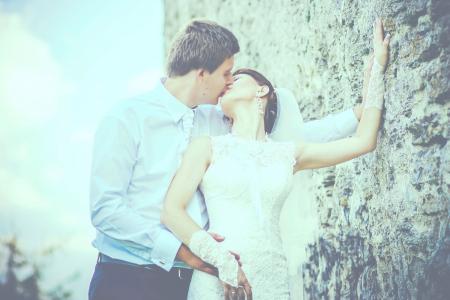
[{"x": 137, "y": 149}]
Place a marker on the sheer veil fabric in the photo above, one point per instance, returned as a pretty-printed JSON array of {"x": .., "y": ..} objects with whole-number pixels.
[{"x": 298, "y": 221}]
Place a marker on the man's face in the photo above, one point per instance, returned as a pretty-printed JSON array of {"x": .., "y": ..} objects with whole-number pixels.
[
  {"x": 217, "y": 82},
  {"x": 244, "y": 89}
]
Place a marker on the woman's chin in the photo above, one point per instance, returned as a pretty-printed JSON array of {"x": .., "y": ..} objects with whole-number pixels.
[
  {"x": 228, "y": 96},
  {"x": 224, "y": 108}
]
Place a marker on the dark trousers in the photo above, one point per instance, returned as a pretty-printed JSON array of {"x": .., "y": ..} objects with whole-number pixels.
[{"x": 112, "y": 281}]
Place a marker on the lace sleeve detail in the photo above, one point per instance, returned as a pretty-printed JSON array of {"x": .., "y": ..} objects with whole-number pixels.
[
  {"x": 375, "y": 90},
  {"x": 210, "y": 251}
]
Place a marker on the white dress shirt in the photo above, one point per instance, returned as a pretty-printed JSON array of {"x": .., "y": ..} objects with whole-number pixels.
[{"x": 138, "y": 148}]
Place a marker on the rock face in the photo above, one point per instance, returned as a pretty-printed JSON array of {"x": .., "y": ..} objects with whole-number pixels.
[{"x": 381, "y": 221}]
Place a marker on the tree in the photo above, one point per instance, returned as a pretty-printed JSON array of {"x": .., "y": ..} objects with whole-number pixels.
[{"x": 12, "y": 287}]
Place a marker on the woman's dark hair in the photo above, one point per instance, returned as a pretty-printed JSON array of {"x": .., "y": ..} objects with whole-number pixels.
[{"x": 270, "y": 114}]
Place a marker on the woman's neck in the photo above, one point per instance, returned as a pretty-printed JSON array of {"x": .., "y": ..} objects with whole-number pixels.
[{"x": 247, "y": 125}]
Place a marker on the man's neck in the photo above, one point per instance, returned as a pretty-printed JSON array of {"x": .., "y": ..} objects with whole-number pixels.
[{"x": 182, "y": 89}]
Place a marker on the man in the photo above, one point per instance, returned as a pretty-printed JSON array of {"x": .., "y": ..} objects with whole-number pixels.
[{"x": 137, "y": 150}]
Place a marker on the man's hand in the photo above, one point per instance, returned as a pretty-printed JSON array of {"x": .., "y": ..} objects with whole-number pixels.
[
  {"x": 242, "y": 292},
  {"x": 185, "y": 254},
  {"x": 192, "y": 260}
]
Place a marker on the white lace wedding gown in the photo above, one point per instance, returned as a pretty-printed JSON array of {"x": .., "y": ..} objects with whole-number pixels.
[{"x": 245, "y": 187}]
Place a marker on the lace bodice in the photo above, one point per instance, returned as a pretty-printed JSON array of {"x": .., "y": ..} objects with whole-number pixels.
[
  {"x": 247, "y": 176},
  {"x": 245, "y": 187}
]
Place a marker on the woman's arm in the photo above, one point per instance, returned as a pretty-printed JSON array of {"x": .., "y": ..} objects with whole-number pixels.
[
  {"x": 174, "y": 215},
  {"x": 311, "y": 156},
  {"x": 339, "y": 125},
  {"x": 366, "y": 79},
  {"x": 182, "y": 188}
]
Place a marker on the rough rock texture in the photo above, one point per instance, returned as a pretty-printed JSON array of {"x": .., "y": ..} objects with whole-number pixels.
[{"x": 381, "y": 221}]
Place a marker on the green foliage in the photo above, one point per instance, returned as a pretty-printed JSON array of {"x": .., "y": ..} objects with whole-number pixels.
[{"x": 16, "y": 286}]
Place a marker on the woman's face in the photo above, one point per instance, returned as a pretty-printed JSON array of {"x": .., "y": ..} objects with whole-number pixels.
[{"x": 244, "y": 89}]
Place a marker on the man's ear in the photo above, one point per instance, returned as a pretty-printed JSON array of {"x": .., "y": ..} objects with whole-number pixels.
[{"x": 201, "y": 74}]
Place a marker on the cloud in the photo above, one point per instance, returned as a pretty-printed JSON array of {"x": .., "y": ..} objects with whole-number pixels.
[
  {"x": 20, "y": 194},
  {"x": 143, "y": 82},
  {"x": 31, "y": 84},
  {"x": 32, "y": 93},
  {"x": 45, "y": 146}
]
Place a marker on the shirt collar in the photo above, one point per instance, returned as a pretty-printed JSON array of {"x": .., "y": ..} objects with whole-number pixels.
[{"x": 175, "y": 107}]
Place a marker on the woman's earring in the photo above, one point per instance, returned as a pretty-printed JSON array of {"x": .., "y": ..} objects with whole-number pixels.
[
  {"x": 260, "y": 105},
  {"x": 259, "y": 102}
]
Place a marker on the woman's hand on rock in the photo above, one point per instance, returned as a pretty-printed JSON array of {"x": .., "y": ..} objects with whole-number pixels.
[{"x": 381, "y": 43}]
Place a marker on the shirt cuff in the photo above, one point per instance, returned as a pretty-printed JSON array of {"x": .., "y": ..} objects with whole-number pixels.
[
  {"x": 347, "y": 123},
  {"x": 165, "y": 250}
]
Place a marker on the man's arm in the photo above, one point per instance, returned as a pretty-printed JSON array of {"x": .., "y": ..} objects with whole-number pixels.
[
  {"x": 114, "y": 156},
  {"x": 113, "y": 160}
]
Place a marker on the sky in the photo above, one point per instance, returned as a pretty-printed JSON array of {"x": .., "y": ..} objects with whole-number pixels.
[{"x": 63, "y": 64}]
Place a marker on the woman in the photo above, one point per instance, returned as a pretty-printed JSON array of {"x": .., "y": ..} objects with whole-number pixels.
[{"x": 245, "y": 177}]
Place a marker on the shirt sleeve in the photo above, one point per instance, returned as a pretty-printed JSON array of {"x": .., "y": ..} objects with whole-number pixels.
[
  {"x": 114, "y": 156},
  {"x": 331, "y": 127}
]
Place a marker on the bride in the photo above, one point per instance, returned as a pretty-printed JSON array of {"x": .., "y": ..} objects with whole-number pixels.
[{"x": 245, "y": 177}]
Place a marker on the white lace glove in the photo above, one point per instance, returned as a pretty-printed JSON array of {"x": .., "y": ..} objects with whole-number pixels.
[
  {"x": 375, "y": 91},
  {"x": 209, "y": 250}
]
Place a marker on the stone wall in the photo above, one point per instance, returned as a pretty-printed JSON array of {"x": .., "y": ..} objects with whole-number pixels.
[{"x": 376, "y": 227}]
